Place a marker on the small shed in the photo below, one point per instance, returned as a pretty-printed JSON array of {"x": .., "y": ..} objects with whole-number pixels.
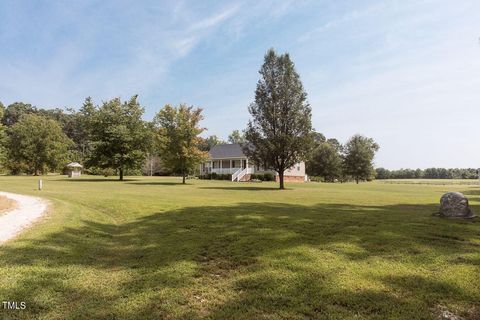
[{"x": 74, "y": 169}]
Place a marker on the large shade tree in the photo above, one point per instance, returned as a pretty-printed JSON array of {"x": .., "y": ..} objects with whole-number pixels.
[
  {"x": 280, "y": 131},
  {"x": 359, "y": 152},
  {"x": 119, "y": 138},
  {"x": 178, "y": 130},
  {"x": 14, "y": 111},
  {"x": 326, "y": 162},
  {"x": 36, "y": 144}
]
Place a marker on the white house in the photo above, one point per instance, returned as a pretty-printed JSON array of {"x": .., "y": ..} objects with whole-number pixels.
[{"x": 230, "y": 159}]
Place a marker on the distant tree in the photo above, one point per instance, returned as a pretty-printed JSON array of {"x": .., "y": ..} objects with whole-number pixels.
[
  {"x": 236, "y": 137},
  {"x": 318, "y": 138},
  {"x": 358, "y": 158},
  {"x": 335, "y": 144},
  {"x": 154, "y": 166},
  {"x": 3, "y": 150},
  {"x": 382, "y": 173},
  {"x": 36, "y": 144},
  {"x": 208, "y": 143},
  {"x": 178, "y": 138},
  {"x": 326, "y": 162},
  {"x": 73, "y": 126},
  {"x": 119, "y": 137},
  {"x": 280, "y": 131},
  {"x": 15, "y": 110}
]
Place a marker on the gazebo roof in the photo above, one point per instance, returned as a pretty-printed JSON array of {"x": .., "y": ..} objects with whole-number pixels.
[{"x": 74, "y": 165}]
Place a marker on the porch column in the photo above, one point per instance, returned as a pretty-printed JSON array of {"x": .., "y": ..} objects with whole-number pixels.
[
  {"x": 221, "y": 161},
  {"x": 211, "y": 166},
  {"x": 247, "y": 165},
  {"x": 231, "y": 166}
]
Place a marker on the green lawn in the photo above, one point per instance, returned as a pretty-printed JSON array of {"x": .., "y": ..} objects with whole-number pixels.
[{"x": 150, "y": 248}]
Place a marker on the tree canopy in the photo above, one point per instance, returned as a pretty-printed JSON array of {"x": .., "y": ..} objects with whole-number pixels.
[
  {"x": 358, "y": 158},
  {"x": 280, "y": 131},
  {"x": 326, "y": 162},
  {"x": 236, "y": 137},
  {"x": 178, "y": 130},
  {"x": 208, "y": 143},
  {"x": 119, "y": 138},
  {"x": 36, "y": 144}
]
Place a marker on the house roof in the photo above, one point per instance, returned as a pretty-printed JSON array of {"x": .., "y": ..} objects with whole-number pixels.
[
  {"x": 222, "y": 151},
  {"x": 74, "y": 165}
]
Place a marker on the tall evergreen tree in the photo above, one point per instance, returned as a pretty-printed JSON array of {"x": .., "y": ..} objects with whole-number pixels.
[
  {"x": 280, "y": 131},
  {"x": 178, "y": 138},
  {"x": 358, "y": 158},
  {"x": 119, "y": 136}
]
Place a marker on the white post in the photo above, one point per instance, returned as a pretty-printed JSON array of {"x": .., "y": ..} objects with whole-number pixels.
[
  {"x": 247, "y": 165},
  {"x": 221, "y": 163},
  {"x": 40, "y": 184}
]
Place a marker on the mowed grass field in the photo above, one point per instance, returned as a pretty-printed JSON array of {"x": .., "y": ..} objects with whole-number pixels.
[{"x": 151, "y": 248}]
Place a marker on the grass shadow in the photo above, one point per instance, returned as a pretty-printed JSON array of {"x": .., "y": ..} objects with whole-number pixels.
[
  {"x": 251, "y": 260},
  {"x": 158, "y": 183},
  {"x": 95, "y": 180},
  {"x": 242, "y": 188}
]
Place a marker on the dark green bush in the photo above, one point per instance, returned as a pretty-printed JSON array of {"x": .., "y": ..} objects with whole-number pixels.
[{"x": 268, "y": 177}]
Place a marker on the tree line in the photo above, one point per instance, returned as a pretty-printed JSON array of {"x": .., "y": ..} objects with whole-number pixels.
[
  {"x": 332, "y": 161},
  {"x": 429, "y": 173},
  {"x": 113, "y": 138}
]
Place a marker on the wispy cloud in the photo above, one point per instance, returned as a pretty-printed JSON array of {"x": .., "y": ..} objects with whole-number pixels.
[
  {"x": 216, "y": 19},
  {"x": 403, "y": 72}
]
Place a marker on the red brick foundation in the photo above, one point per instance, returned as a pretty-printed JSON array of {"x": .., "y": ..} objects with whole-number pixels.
[
  {"x": 246, "y": 177},
  {"x": 291, "y": 178}
]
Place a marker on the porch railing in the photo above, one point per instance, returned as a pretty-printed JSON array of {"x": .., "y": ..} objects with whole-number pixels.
[{"x": 224, "y": 170}]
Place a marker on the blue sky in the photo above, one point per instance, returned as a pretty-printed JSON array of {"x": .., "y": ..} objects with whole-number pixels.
[{"x": 406, "y": 73}]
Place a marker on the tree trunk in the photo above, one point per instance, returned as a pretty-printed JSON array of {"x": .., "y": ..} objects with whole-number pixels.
[
  {"x": 183, "y": 172},
  {"x": 121, "y": 174},
  {"x": 356, "y": 180},
  {"x": 280, "y": 177}
]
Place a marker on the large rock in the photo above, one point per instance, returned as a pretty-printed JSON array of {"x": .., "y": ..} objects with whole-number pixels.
[{"x": 455, "y": 204}]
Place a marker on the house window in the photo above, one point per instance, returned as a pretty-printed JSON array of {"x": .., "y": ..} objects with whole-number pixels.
[{"x": 298, "y": 168}]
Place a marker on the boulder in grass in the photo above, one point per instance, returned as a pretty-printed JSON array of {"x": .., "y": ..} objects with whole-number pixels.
[{"x": 455, "y": 205}]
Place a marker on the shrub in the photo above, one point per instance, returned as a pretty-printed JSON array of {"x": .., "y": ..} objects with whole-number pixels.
[
  {"x": 315, "y": 179},
  {"x": 269, "y": 177},
  {"x": 213, "y": 175}
]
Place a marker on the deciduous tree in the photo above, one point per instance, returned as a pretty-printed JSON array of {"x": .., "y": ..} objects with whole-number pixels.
[
  {"x": 178, "y": 138},
  {"x": 36, "y": 144},
  {"x": 280, "y": 131},
  {"x": 358, "y": 158},
  {"x": 236, "y": 137},
  {"x": 119, "y": 136},
  {"x": 208, "y": 143},
  {"x": 326, "y": 162}
]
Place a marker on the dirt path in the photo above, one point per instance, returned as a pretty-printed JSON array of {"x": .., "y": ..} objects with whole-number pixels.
[{"x": 28, "y": 210}]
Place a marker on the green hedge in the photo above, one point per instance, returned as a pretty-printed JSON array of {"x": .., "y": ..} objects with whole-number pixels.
[
  {"x": 263, "y": 176},
  {"x": 215, "y": 176}
]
